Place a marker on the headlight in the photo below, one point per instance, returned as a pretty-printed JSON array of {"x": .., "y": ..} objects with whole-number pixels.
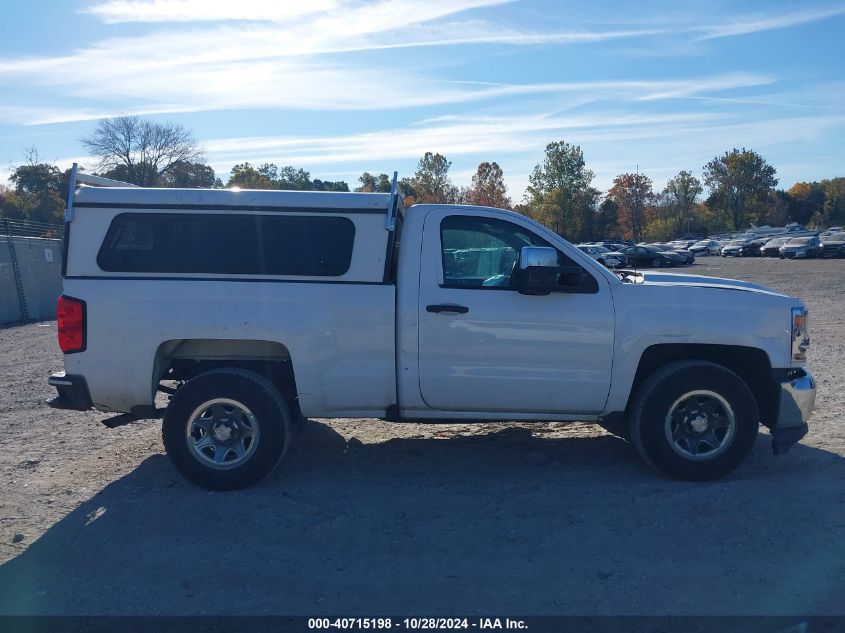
[{"x": 800, "y": 334}]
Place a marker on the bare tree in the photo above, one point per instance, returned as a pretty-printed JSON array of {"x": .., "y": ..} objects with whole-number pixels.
[{"x": 139, "y": 151}]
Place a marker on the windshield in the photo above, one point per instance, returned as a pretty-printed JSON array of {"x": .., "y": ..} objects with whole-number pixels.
[
  {"x": 836, "y": 237},
  {"x": 798, "y": 241},
  {"x": 736, "y": 242}
]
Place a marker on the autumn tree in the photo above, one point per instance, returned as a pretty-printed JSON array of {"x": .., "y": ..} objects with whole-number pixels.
[
  {"x": 270, "y": 176},
  {"x": 329, "y": 185},
  {"x": 633, "y": 193},
  {"x": 488, "y": 187},
  {"x": 833, "y": 212},
  {"x": 39, "y": 191},
  {"x": 559, "y": 192},
  {"x": 246, "y": 176},
  {"x": 607, "y": 219},
  {"x": 11, "y": 204},
  {"x": 370, "y": 183},
  {"x": 146, "y": 150},
  {"x": 293, "y": 179},
  {"x": 806, "y": 201},
  {"x": 737, "y": 180},
  {"x": 680, "y": 195},
  {"x": 182, "y": 174},
  {"x": 431, "y": 183}
]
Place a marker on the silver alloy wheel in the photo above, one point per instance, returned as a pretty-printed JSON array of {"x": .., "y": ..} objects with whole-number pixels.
[
  {"x": 222, "y": 433},
  {"x": 700, "y": 425}
]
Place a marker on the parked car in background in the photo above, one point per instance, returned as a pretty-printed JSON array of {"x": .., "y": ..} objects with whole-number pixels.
[
  {"x": 834, "y": 245},
  {"x": 801, "y": 248},
  {"x": 650, "y": 256},
  {"x": 705, "y": 248},
  {"x": 604, "y": 256},
  {"x": 752, "y": 248},
  {"x": 681, "y": 244},
  {"x": 689, "y": 258},
  {"x": 611, "y": 246},
  {"x": 733, "y": 248},
  {"x": 772, "y": 247}
]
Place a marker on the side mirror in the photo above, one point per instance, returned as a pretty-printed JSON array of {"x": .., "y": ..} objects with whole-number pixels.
[{"x": 539, "y": 272}]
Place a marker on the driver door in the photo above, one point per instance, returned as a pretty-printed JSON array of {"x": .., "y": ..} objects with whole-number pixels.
[{"x": 483, "y": 346}]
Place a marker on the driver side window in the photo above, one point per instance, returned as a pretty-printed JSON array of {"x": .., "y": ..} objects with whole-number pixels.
[{"x": 481, "y": 252}]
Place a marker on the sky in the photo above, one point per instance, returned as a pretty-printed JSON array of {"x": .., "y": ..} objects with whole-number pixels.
[{"x": 338, "y": 87}]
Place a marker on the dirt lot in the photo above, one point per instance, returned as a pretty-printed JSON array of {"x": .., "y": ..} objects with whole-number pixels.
[{"x": 371, "y": 518}]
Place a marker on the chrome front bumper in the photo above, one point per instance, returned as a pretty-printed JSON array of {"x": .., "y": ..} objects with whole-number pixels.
[{"x": 797, "y": 397}]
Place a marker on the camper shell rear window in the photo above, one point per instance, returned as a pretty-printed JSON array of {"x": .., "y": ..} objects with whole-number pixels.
[{"x": 228, "y": 244}]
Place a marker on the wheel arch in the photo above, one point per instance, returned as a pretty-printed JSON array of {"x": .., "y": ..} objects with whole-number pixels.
[
  {"x": 183, "y": 359},
  {"x": 751, "y": 364}
]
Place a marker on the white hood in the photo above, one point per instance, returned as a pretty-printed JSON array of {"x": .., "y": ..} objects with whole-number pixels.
[{"x": 650, "y": 278}]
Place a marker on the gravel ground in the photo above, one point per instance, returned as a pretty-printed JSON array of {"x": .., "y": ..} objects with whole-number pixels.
[{"x": 372, "y": 518}]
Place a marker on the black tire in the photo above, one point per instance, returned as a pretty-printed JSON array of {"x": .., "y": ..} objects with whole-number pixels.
[
  {"x": 248, "y": 389},
  {"x": 654, "y": 400}
]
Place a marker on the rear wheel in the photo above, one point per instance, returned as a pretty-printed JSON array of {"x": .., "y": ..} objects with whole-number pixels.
[
  {"x": 693, "y": 420},
  {"x": 227, "y": 428}
]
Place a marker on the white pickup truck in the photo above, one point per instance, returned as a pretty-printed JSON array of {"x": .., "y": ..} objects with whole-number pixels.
[{"x": 255, "y": 310}]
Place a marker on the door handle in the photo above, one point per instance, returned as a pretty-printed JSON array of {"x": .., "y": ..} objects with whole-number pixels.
[{"x": 447, "y": 307}]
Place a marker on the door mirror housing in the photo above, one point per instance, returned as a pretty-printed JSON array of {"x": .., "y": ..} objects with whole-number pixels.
[
  {"x": 540, "y": 273},
  {"x": 537, "y": 257}
]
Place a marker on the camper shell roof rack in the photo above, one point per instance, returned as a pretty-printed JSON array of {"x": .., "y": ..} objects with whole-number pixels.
[{"x": 108, "y": 193}]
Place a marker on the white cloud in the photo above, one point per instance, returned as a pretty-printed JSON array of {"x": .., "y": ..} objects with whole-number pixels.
[
  {"x": 302, "y": 85},
  {"x": 490, "y": 136},
  {"x": 117, "y": 11},
  {"x": 282, "y": 55},
  {"x": 613, "y": 142},
  {"x": 744, "y": 25},
  {"x": 267, "y": 64}
]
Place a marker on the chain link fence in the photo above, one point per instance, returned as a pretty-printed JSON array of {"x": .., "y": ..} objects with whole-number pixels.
[{"x": 30, "y": 270}]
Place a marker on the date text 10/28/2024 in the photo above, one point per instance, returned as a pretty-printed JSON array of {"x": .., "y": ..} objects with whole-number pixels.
[{"x": 416, "y": 623}]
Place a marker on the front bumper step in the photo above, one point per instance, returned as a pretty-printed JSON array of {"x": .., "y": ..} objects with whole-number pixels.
[{"x": 786, "y": 438}]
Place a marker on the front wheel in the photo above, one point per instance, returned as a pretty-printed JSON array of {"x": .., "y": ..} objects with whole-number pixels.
[
  {"x": 693, "y": 420},
  {"x": 227, "y": 428}
]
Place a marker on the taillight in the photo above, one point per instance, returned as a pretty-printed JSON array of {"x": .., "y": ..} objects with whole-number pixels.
[{"x": 70, "y": 314}]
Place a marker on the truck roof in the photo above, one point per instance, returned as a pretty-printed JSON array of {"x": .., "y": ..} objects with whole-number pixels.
[{"x": 252, "y": 199}]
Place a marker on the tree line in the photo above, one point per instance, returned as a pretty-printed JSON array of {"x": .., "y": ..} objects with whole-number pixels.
[{"x": 741, "y": 187}]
